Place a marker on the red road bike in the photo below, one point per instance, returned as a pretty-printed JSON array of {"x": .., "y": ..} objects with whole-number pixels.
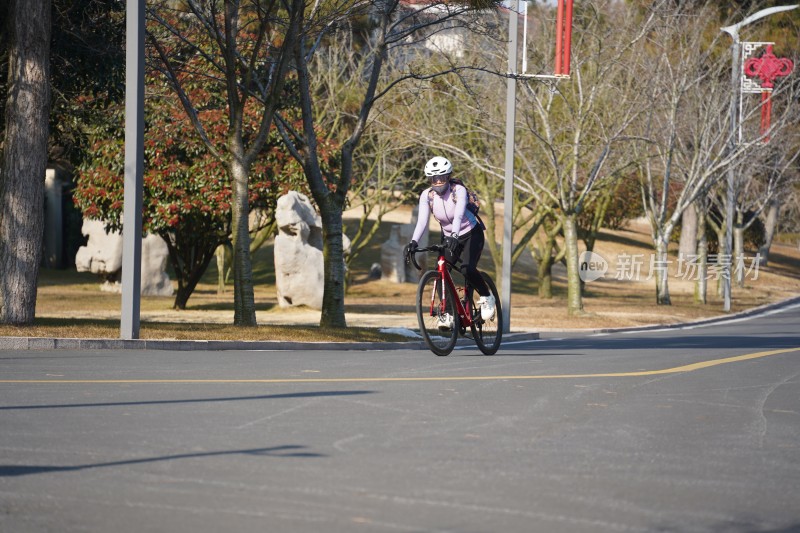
[{"x": 445, "y": 310}]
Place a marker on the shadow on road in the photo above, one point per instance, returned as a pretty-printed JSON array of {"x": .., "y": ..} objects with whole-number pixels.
[
  {"x": 192, "y": 400},
  {"x": 289, "y": 450},
  {"x": 744, "y": 525}
]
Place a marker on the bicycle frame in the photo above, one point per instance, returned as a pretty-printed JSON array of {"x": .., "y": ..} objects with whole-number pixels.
[
  {"x": 466, "y": 317},
  {"x": 487, "y": 334}
]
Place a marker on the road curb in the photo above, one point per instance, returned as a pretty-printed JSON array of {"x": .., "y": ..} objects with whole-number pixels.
[
  {"x": 43, "y": 343},
  {"x": 693, "y": 323},
  {"x": 46, "y": 343}
]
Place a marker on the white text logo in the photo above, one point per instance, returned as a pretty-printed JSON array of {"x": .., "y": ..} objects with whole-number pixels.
[{"x": 591, "y": 266}]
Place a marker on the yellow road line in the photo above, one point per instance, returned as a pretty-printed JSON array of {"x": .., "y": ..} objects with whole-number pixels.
[{"x": 674, "y": 370}]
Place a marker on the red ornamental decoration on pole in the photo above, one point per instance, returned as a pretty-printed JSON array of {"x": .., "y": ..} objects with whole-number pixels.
[
  {"x": 767, "y": 68},
  {"x": 563, "y": 37}
]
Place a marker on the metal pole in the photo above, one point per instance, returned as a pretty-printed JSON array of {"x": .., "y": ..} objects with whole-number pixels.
[
  {"x": 524, "y": 36},
  {"x": 730, "y": 196},
  {"x": 134, "y": 169},
  {"x": 733, "y": 31},
  {"x": 508, "y": 189}
]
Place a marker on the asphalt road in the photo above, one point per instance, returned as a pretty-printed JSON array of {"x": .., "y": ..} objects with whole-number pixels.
[{"x": 681, "y": 430}]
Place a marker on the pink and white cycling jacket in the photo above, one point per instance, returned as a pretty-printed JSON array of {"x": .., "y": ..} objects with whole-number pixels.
[{"x": 450, "y": 210}]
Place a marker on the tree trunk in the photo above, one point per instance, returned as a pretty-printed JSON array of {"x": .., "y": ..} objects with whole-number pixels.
[
  {"x": 221, "y": 266},
  {"x": 189, "y": 261},
  {"x": 688, "y": 244},
  {"x": 244, "y": 306},
  {"x": 737, "y": 261},
  {"x": 583, "y": 283},
  {"x": 545, "y": 262},
  {"x": 769, "y": 233},
  {"x": 720, "y": 260},
  {"x": 661, "y": 273},
  {"x": 333, "y": 259},
  {"x": 574, "y": 298},
  {"x": 192, "y": 278},
  {"x": 701, "y": 283},
  {"x": 24, "y": 162}
]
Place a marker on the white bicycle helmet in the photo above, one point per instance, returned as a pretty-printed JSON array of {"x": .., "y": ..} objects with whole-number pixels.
[{"x": 438, "y": 166}]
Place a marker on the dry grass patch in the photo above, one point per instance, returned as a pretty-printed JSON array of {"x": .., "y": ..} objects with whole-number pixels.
[
  {"x": 110, "y": 329},
  {"x": 70, "y": 304}
]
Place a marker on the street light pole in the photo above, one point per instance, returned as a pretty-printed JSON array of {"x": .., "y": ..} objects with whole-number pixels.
[
  {"x": 730, "y": 196},
  {"x": 508, "y": 189},
  {"x": 134, "y": 170}
]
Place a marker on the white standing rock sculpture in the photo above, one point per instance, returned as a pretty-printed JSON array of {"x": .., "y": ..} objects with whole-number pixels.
[
  {"x": 155, "y": 254},
  {"x": 102, "y": 255},
  {"x": 299, "y": 266},
  {"x": 393, "y": 263}
]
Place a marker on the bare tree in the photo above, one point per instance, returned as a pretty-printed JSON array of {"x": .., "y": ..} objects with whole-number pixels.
[
  {"x": 547, "y": 252},
  {"x": 768, "y": 172},
  {"x": 392, "y": 26},
  {"x": 759, "y": 188},
  {"x": 23, "y": 157},
  {"x": 383, "y": 165},
  {"x": 686, "y": 99},
  {"x": 688, "y": 125},
  {"x": 578, "y": 126},
  {"x": 384, "y": 184},
  {"x": 784, "y": 169},
  {"x": 565, "y": 139},
  {"x": 246, "y": 46},
  {"x": 789, "y": 221}
]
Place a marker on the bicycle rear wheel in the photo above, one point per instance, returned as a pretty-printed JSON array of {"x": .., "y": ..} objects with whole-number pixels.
[
  {"x": 439, "y": 322},
  {"x": 487, "y": 333}
]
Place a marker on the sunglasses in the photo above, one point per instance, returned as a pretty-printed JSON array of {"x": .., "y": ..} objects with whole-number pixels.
[{"x": 437, "y": 180}]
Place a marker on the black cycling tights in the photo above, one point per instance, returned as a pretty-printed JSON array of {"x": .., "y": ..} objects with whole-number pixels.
[{"x": 470, "y": 254}]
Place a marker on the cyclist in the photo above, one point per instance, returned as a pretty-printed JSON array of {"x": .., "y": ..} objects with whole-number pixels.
[{"x": 462, "y": 232}]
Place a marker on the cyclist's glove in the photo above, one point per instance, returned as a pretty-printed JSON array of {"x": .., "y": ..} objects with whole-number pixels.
[
  {"x": 453, "y": 245},
  {"x": 409, "y": 250}
]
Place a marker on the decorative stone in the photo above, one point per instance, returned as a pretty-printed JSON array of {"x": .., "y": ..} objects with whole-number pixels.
[
  {"x": 155, "y": 254},
  {"x": 102, "y": 255},
  {"x": 53, "y": 237},
  {"x": 299, "y": 265},
  {"x": 393, "y": 265}
]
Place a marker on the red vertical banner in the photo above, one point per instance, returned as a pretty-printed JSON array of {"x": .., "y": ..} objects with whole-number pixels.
[
  {"x": 559, "y": 34},
  {"x": 563, "y": 37},
  {"x": 567, "y": 38}
]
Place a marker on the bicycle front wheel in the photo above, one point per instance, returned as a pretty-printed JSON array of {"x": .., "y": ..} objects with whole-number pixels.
[
  {"x": 487, "y": 333},
  {"x": 439, "y": 322}
]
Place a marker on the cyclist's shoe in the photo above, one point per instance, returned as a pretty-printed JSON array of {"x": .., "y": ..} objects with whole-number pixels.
[
  {"x": 446, "y": 322},
  {"x": 487, "y": 305}
]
